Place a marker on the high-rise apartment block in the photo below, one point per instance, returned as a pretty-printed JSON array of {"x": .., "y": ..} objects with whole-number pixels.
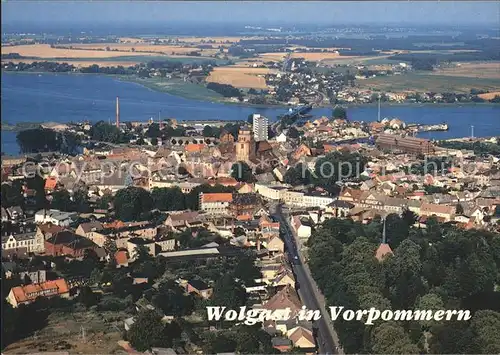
[{"x": 260, "y": 126}]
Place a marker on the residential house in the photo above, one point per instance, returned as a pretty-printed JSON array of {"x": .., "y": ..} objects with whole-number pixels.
[
  {"x": 134, "y": 243},
  {"x": 445, "y": 212},
  {"x": 216, "y": 203},
  {"x": 21, "y": 240},
  {"x": 301, "y": 337},
  {"x": 316, "y": 200},
  {"x": 199, "y": 288},
  {"x": 90, "y": 230},
  {"x": 301, "y": 227},
  {"x": 15, "y": 213},
  {"x": 47, "y": 230},
  {"x": 56, "y": 217},
  {"x": 275, "y": 244},
  {"x": 68, "y": 243},
  {"x": 339, "y": 208},
  {"x": 26, "y": 294},
  {"x": 181, "y": 220}
]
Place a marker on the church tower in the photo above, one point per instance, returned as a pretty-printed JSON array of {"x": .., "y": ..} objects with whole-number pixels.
[{"x": 245, "y": 146}]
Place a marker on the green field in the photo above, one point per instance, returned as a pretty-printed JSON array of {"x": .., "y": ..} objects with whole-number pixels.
[
  {"x": 177, "y": 87},
  {"x": 429, "y": 82}
]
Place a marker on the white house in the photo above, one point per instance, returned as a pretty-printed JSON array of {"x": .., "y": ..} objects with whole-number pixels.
[
  {"x": 281, "y": 138},
  {"x": 56, "y": 217}
]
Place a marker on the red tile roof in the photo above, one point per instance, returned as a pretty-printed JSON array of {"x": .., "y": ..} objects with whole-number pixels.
[
  {"x": 29, "y": 293},
  {"x": 217, "y": 197}
]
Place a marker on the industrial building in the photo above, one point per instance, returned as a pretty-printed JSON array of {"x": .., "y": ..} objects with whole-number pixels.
[{"x": 412, "y": 145}]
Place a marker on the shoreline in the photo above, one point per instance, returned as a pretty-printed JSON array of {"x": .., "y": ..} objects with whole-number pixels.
[{"x": 152, "y": 86}]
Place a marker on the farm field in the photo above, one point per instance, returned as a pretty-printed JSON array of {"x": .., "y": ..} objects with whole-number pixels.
[
  {"x": 473, "y": 70},
  {"x": 240, "y": 76},
  {"x": 429, "y": 82},
  {"x": 44, "y": 51},
  {"x": 490, "y": 95},
  {"x": 141, "y": 48}
]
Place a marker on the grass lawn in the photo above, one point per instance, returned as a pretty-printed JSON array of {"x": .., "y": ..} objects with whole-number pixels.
[{"x": 178, "y": 87}]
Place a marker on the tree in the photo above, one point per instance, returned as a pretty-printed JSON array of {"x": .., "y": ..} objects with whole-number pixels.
[
  {"x": 153, "y": 131},
  {"x": 61, "y": 200},
  {"x": 430, "y": 301},
  {"x": 389, "y": 338},
  {"x": 339, "y": 112},
  {"x": 81, "y": 201},
  {"x": 168, "y": 199},
  {"x": 38, "y": 140},
  {"x": 208, "y": 131},
  {"x": 130, "y": 203},
  {"x": 485, "y": 325},
  {"x": 102, "y": 131},
  {"x": 293, "y": 132},
  {"x": 242, "y": 172},
  {"x": 87, "y": 297},
  {"x": 229, "y": 293},
  {"x": 147, "y": 331}
]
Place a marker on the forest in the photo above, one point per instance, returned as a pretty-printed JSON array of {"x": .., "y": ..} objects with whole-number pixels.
[{"x": 438, "y": 267}]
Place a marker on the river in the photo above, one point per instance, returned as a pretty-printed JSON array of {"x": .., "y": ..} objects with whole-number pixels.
[{"x": 74, "y": 98}]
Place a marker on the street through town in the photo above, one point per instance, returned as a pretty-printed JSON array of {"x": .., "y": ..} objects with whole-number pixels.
[{"x": 308, "y": 291}]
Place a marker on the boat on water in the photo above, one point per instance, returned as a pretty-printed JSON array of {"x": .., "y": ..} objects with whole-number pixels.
[{"x": 434, "y": 127}]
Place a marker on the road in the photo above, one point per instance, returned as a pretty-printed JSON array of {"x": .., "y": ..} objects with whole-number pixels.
[{"x": 308, "y": 291}]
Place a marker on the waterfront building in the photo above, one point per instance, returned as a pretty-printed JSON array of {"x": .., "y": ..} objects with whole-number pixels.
[{"x": 412, "y": 145}]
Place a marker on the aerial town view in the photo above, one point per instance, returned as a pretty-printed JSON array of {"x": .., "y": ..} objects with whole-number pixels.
[{"x": 250, "y": 177}]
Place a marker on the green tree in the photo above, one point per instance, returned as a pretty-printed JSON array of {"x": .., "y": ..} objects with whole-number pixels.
[
  {"x": 293, "y": 132},
  {"x": 87, "y": 297},
  {"x": 430, "y": 301},
  {"x": 153, "y": 131},
  {"x": 242, "y": 172},
  {"x": 130, "y": 203},
  {"x": 147, "y": 331},
  {"x": 168, "y": 199},
  {"x": 61, "y": 200},
  {"x": 390, "y": 338},
  {"x": 104, "y": 132},
  {"x": 229, "y": 293}
]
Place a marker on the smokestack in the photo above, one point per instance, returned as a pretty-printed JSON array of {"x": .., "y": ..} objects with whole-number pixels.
[{"x": 117, "y": 112}]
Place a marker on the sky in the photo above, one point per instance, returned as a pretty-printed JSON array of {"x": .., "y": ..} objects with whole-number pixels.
[{"x": 250, "y": 12}]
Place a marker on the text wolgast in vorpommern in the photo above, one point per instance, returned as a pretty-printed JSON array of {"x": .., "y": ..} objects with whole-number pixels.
[{"x": 369, "y": 316}]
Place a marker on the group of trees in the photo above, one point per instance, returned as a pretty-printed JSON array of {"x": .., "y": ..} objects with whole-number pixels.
[
  {"x": 225, "y": 90},
  {"x": 439, "y": 267},
  {"x": 40, "y": 139},
  {"x": 135, "y": 203}
]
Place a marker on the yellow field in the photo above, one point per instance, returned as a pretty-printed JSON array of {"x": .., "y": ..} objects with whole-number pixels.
[
  {"x": 126, "y": 47},
  {"x": 490, "y": 95},
  {"x": 45, "y": 51},
  {"x": 473, "y": 70},
  {"x": 240, "y": 76}
]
